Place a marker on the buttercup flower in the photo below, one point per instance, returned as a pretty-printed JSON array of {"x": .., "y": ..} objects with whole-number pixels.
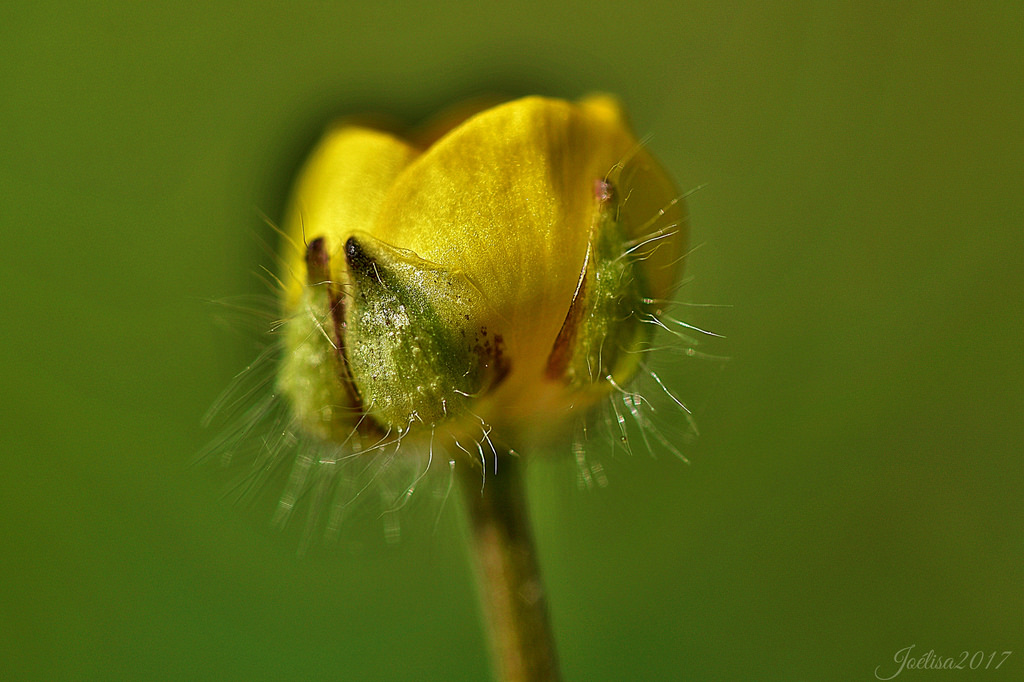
[
  {"x": 478, "y": 291},
  {"x": 493, "y": 286}
]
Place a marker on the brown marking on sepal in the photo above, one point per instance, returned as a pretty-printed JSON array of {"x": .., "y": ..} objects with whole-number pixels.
[
  {"x": 318, "y": 271},
  {"x": 561, "y": 352},
  {"x": 359, "y": 261},
  {"x": 491, "y": 354}
]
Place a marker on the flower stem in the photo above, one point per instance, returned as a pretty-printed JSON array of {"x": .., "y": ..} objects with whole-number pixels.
[{"x": 515, "y": 606}]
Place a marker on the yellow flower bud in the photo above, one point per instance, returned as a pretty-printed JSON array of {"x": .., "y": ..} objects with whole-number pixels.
[{"x": 504, "y": 275}]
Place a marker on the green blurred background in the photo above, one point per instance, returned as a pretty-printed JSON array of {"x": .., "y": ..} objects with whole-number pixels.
[{"x": 857, "y": 485}]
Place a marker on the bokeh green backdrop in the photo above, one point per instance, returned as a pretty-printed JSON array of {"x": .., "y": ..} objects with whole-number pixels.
[{"x": 857, "y": 486}]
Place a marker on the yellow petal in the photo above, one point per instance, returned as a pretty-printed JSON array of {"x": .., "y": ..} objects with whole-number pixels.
[
  {"x": 507, "y": 199},
  {"x": 341, "y": 189}
]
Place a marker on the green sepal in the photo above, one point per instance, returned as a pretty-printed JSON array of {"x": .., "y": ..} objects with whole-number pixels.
[
  {"x": 604, "y": 333},
  {"x": 311, "y": 369},
  {"x": 414, "y": 349}
]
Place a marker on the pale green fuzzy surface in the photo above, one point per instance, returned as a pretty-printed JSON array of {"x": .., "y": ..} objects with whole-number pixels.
[
  {"x": 310, "y": 371},
  {"x": 411, "y": 340},
  {"x": 611, "y": 334}
]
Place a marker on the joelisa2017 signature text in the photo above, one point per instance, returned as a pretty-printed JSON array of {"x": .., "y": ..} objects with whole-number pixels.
[{"x": 905, "y": 659}]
